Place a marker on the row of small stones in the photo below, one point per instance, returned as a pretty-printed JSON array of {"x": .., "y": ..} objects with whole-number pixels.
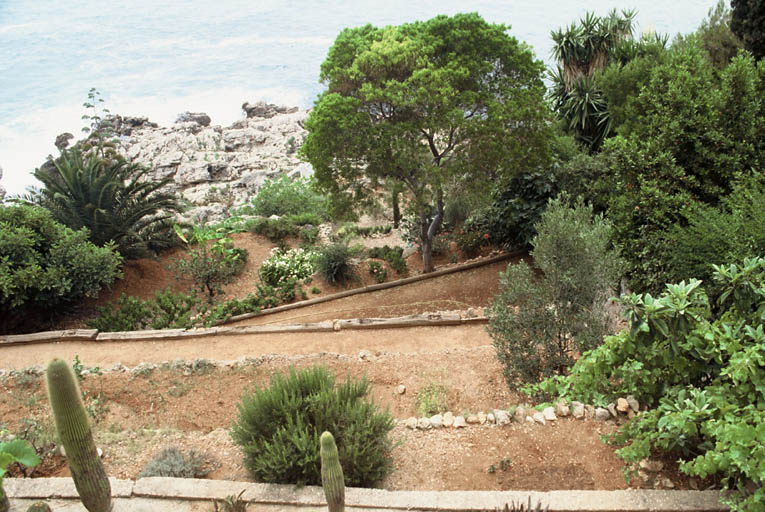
[{"x": 624, "y": 407}]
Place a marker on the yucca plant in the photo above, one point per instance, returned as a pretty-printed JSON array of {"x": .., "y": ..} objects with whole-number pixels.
[{"x": 581, "y": 50}]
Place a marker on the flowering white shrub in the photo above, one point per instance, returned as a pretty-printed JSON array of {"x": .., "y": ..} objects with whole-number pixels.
[{"x": 282, "y": 266}]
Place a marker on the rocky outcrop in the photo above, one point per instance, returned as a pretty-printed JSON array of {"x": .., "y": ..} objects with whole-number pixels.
[
  {"x": 261, "y": 109},
  {"x": 124, "y": 125},
  {"x": 215, "y": 168},
  {"x": 2, "y": 189},
  {"x": 200, "y": 118}
]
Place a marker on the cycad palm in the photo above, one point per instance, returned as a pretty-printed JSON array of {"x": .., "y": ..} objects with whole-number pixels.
[{"x": 110, "y": 197}]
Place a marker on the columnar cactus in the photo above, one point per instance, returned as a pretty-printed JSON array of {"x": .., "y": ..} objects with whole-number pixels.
[
  {"x": 74, "y": 431},
  {"x": 332, "y": 474}
]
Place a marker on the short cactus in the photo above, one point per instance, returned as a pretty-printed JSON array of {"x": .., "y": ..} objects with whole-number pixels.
[
  {"x": 74, "y": 431},
  {"x": 332, "y": 474},
  {"x": 38, "y": 506}
]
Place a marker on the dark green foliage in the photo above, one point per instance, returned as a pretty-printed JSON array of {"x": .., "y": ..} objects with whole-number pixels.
[
  {"x": 481, "y": 91},
  {"x": 113, "y": 198},
  {"x": 726, "y": 234},
  {"x": 748, "y": 23},
  {"x": 516, "y": 208},
  {"x": 539, "y": 323},
  {"x": 333, "y": 262},
  {"x": 76, "y": 436},
  {"x": 393, "y": 255},
  {"x": 279, "y": 426},
  {"x": 174, "y": 462},
  {"x": 688, "y": 134},
  {"x": 45, "y": 265},
  {"x": 698, "y": 360},
  {"x": 285, "y": 196}
]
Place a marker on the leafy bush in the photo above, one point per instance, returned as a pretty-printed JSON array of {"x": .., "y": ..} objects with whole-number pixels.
[
  {"x": 281, "y": 266},
  {"x": 700, "y": 368},
  {"x": 285, "y": 196},
  {"x": 213, "y": 264},
  {"x": 278, "y": 429},
  {"x": 377, "y": 271},
  {"x": 393, "y": 255},
  {"x": 174, "y": 462},
  {"x": 538, "y": 325},
  {"x": 333, "y": 262},
  {"x": 45, "y": 265}
]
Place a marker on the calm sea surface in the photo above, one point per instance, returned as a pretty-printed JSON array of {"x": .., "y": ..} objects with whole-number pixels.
[{"x": 159, "y": 60}]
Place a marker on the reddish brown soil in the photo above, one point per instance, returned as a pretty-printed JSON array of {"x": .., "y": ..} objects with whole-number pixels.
[{"x": 136, "y": 417}]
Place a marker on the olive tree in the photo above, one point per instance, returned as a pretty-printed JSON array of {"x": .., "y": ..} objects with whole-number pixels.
[{"x": 435, "y": 107}]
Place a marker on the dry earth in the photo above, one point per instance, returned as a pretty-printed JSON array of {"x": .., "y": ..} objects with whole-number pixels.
[{"x": 138, "y": 415}]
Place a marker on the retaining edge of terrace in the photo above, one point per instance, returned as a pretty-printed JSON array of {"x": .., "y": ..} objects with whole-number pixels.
[{"x": 632, "y": 500}]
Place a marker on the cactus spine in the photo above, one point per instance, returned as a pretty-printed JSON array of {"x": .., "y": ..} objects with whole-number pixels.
[
  {"x": 74, "y": 431},
  {"x": 332, "y": 474}
]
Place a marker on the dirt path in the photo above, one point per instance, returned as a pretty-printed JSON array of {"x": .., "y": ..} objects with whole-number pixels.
[{"x": 225, "y": 348}]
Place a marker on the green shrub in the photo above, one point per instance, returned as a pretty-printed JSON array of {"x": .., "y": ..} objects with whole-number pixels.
[
  {"x": 211, "y": 268},
  {"x": 282, "y": 266},
  {"x": 174, "y": 462},
  {"x": 700, "y": 370},
  {"x": 538, "y": 324},
  {"x": 393, "y": 255},
  {"x": 285, "y": 196},
  {"x": 309, "y": 236},
  {"x": 278, "y": 429},
  {"x": 377, "y": 271},
  {"x": 726, "y": 234},
  {"x": 167, "y": 310},
  {"x": 45, "y": 265},
  {"x": 333, "y": 262}
]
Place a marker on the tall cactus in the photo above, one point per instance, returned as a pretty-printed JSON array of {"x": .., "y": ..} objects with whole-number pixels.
[
  {"x": 74, "y": 431},
  {"x": 332, "y": 474}
]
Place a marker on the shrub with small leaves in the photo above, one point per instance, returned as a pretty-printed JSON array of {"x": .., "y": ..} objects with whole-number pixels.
[
  {"x": 279, "y": 426},
  {"x": 174, "y": 462},
  {"x": 539, "y": 324}
]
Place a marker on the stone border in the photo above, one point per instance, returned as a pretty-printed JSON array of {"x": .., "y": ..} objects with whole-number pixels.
[
  {"x": 424, "y": 320},
  {"x": 220, "y": 329},
  {"x": 377, "y": 499}
]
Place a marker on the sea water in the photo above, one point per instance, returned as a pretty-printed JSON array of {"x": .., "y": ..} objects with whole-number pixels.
[{"x": 159, "y": 58}]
